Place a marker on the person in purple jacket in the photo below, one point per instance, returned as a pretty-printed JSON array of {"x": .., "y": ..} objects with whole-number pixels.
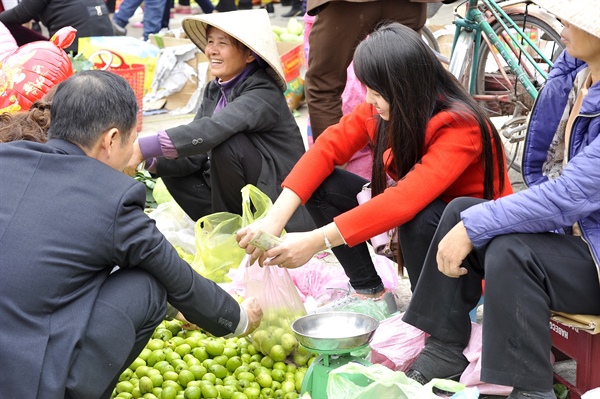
[{"x": 538, "y": 249}]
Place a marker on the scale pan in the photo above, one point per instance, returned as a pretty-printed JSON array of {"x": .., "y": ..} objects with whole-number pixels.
[{"x": 333, "y": 331}]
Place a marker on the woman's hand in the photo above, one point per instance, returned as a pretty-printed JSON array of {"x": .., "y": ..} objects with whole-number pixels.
[
  {"x": 452, "y": 250},
  {"x": 136, "y": 159},
  {"x": 246, "y": 234},
  {"x": 296, "y": 249}
]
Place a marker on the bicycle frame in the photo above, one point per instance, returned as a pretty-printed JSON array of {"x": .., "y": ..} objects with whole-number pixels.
[{"x": 475, "y": 21}]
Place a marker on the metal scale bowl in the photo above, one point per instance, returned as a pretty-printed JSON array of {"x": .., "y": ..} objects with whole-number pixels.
[{"x": 334, "y": 336}]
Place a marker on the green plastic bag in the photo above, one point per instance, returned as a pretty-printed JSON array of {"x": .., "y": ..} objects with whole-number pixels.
[
  {"x": 217, "y": 250},
  {"x": 383, "y": 383}
]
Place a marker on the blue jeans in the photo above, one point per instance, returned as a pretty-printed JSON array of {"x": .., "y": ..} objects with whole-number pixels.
[{"x": 153, "y": 14}]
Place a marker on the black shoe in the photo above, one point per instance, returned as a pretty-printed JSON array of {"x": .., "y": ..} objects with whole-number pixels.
[
  {"x": 119, "y": 31},
  {"x": 270, "y": 10},
  {"x": 286, "y": 3},
  {"x": 295, "y": 11},
  {"x": 420, "y": 378}
]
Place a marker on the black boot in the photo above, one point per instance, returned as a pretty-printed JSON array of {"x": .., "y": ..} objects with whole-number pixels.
[{"x": 295, "y": 11}]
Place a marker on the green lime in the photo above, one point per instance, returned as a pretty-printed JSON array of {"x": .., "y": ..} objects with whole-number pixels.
[
  {"x": 218, "y": 370},
  {"x": 214, "y": 348},
  {"x": 209, "y": 392},
  {"x": 124, "y": 386},
  {"x": 192, "y": 393},
  {"x": 168, "y": 393},
  {"x": 233, "y": 363},
  {"x": 198, "y": 370}
]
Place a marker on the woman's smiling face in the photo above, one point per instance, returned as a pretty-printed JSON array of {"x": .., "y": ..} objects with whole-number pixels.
[{"x": 227, "y": 56}]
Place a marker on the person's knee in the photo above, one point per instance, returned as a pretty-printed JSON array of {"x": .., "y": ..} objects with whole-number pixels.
[
  {"x": 501, "y": 258},
  {"x": 137, "y": 293}
]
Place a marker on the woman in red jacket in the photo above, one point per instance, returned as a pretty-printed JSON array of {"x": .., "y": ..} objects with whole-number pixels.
[{"x": 431, "y": 143}]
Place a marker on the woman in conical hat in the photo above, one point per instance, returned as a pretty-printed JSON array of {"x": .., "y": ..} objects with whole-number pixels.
[
  {"x": 538, "y": 249},
  {"x": 244, "y": 132}
]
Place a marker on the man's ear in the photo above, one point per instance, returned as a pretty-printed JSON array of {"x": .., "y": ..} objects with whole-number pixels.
[
  {"x": 110, "y": 139},
  {"x": 250, "y": 57},
  {"x": 102, "y": 149}
]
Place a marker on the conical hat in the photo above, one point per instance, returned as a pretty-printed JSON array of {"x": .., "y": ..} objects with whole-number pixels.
[
  {"x": 584, "y": 14},
  {"x": 250, "y": 27}
]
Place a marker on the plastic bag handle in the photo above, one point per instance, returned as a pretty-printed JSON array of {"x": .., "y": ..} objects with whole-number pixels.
[{"x": 109, "y": 64}]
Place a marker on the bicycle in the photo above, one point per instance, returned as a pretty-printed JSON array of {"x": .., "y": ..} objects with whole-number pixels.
[{"x": 502, "y": 52}]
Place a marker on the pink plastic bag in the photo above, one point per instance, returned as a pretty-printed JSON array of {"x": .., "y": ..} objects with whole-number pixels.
[{"x": 397, "y": 344}]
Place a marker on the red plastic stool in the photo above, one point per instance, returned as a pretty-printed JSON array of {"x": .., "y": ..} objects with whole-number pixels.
[{"x": 582, "y": 346}]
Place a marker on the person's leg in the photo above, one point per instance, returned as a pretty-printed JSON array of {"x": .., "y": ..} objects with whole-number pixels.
[
  {"x": 167, "y": 13},
  {"x": 233, "y": 164},
  {"x": 526, "y": 276},
  {"x": 295, "y": 9},
  {"x": 268, "y": 5},
  {"x": 440, "y": 305},
  {"x": 111, "y": 5},
  {"x": 415, "y": 237},
  {"x": 336, "y": 195},
  {"x": 130, "y": 305},
  {"x": 125, "y": 11},
  {"x": 329, "y": 56},
  {"x": 153, "y": 16},
  {"x": 226, "y": 5},
  {"x": 206, "y": 6},
  {"x": 192, "y": 193}
]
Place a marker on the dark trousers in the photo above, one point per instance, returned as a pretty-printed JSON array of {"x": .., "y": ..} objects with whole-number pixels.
[
  {"x": 329, "y": 57},
  {"x": 233, "y": 164},
  {"x": 130, "y": 305},
  {"x": 526, "y": 275},
  {"x": 336, "y": 195}
]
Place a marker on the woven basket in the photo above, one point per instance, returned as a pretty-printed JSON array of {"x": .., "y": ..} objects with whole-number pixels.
[{"x": 133, "y": 73}]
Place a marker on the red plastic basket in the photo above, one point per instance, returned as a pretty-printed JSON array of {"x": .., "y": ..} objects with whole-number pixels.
[{"x": 133, "y": 73}]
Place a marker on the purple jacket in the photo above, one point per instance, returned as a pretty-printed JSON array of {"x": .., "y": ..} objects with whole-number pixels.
[{"x": 575, "y": 195}]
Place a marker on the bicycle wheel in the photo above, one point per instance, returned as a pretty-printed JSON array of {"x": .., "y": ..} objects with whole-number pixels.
[
  {"x": 497, "y": 79},
  {"x": 462, "y": 58}
]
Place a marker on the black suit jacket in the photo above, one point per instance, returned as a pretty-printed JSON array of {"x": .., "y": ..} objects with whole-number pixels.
[{"x": 65, "y": 221}]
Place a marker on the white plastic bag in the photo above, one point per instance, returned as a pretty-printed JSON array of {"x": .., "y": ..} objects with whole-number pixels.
[
  {"x": 384, "y": 383},
  {"x": 176, "y": 225}
]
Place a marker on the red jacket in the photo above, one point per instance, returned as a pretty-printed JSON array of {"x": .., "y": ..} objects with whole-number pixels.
[{"x": 450, "y": 168}]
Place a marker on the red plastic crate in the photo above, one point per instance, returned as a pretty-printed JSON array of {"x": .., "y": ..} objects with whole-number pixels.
[{"x": 583, "y": 347}]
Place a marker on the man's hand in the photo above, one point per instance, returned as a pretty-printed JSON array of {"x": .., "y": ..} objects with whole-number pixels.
[
  {"x": 254, "y": 312},
  {"x": 135, "y": 161},
  {"x": 452, "y": 250}
]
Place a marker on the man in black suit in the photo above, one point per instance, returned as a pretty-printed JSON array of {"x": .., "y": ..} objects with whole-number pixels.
[{"x": 70, "y": 324}]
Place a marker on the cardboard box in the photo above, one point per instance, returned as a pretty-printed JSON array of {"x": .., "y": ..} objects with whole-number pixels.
[{"x": 181, "y": 98}]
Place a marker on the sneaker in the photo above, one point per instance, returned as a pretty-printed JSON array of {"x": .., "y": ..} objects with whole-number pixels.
[{"x": 353, "y": 297}]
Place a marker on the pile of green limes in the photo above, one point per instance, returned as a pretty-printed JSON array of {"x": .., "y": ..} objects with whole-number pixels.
[{"x": 189, "y": 364}]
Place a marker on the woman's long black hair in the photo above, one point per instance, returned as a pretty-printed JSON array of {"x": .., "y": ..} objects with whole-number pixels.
[{"x": 396, "y": 63}]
